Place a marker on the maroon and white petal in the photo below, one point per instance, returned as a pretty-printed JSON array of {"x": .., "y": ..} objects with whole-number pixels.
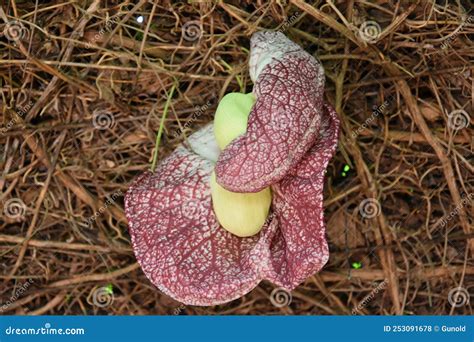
[
  {"x": 282, "y": 127},
  {"x": 299, "y": 248},
  {"x": 177, "y": 239}
]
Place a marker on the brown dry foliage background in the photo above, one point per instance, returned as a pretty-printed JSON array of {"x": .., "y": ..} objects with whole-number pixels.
[{"x": 75, "y": 61}]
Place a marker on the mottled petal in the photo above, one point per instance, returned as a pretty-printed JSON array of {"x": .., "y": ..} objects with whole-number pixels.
[
  {"x": 177, "y": 239},
  {"x": 282, "y": 125},
  {"x": 299, "y": 247}
]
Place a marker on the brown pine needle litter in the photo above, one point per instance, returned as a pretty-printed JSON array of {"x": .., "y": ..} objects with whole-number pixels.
[{"x": 93, "y": 93}]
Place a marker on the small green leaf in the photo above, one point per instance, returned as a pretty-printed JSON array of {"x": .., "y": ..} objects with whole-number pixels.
[{"x": 356, "y": 265}]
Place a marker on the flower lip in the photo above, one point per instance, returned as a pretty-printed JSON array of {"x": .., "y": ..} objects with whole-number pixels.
[
  {"x": 289, "y": 91},
  {"x": 265, "y": 46}
]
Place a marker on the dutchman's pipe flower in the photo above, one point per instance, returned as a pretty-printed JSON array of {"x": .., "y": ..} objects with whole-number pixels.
[{"x": 289, "y": 139}]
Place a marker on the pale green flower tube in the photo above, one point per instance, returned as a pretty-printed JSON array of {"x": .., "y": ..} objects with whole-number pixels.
[{"x": 242, "y": 214}]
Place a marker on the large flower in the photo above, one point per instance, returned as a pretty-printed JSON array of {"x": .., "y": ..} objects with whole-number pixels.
[{"x": 291, "y": 136}]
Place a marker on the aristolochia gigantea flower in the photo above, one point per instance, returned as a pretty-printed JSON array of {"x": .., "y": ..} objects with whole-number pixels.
[{"x": 202, "y": 226}]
